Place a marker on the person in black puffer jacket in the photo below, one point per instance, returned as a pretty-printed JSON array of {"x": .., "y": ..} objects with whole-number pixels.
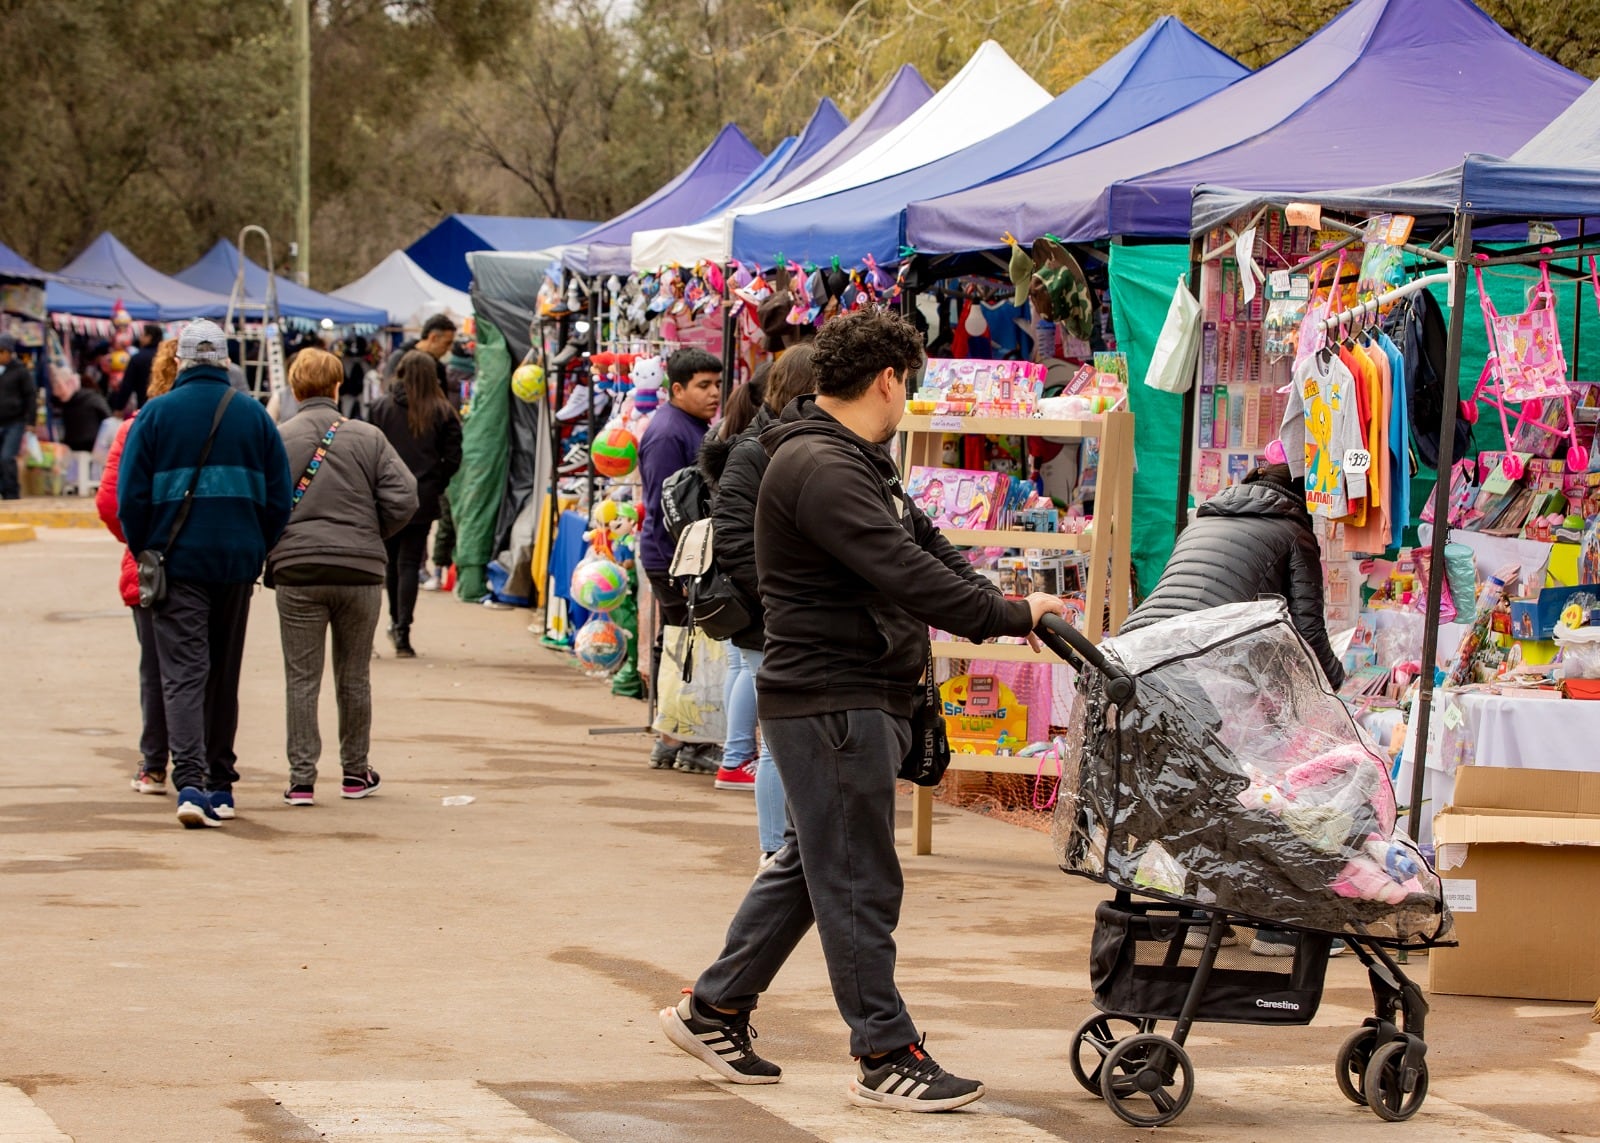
[
  {"x": 734, "y": 465},
  {"x": 1250, "y": 540}
]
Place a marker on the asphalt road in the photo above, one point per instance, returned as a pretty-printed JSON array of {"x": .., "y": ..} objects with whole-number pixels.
[{"x": 399, "y": 969}]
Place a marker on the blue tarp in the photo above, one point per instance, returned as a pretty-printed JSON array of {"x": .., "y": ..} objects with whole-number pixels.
[
  {"x": 1556, "y": 174},
  {"x": 442, "y": 252},
  {"x": 217, "y": 269},
  {"x": 1165, "y": 69},
  {"x": 721, "y": 167},
  {"x": 145, "y": 292},
  {"x": 1388, "y": 90}
]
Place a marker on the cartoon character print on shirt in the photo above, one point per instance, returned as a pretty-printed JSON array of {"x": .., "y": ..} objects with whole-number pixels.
[{"x": 1323, "y": 468}]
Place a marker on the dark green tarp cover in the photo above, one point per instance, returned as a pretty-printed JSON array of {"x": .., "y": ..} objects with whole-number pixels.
[{"x": 477, "y": 490}]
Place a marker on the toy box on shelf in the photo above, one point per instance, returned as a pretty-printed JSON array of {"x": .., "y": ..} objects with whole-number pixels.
[{"x": 1053, "y": 551}]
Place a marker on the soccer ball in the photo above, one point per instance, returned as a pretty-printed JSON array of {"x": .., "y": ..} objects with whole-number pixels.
[
  {"x": 616, "y": 453},
  {"x": 600, "y": 645},
  {"x": 528, "y": 382}
]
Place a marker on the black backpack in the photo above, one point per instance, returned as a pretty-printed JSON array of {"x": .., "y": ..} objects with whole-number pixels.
[{"x": 685, "y": 498}]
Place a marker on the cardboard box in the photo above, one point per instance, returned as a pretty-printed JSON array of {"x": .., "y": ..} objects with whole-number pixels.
[{"x": 1519, "y": 852}]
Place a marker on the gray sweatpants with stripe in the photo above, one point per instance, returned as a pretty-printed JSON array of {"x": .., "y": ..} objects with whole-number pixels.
[
  {"x": 837, "y": 869},
  {"x": 304, "y": 616}
]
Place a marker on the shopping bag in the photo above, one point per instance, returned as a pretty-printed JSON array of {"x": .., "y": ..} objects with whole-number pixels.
[
  {"x": 694, "y": 668},
  {"x": 33, "y": 451},
  {"x": 1172, "y": 364}
]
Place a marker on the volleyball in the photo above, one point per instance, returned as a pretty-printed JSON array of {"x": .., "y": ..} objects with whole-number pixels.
[
  {"x": 616, "y": 453},
  {"x": 599, "y": 584},
  {"x": 600, "y": 645}
]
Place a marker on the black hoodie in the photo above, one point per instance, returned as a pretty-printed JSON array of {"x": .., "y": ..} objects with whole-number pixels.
[
  {"x": 852, "y": 573},
  {"x": 1247, "y": 541}
]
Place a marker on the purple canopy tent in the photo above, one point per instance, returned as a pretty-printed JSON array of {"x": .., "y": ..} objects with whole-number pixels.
[
  {"x": 1389, "y": 89},
  {"x": 721, "y": 167}
]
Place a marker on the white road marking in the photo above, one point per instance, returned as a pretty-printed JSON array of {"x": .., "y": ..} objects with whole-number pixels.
[
  {"x": 407, "y": 1110},
  {"x": 23, "y": 1121},
  {"x": 815, "y": 1101}
]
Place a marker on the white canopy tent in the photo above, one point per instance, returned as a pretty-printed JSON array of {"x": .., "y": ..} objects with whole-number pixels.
[
  {"x": 406, "y": 291},
  {"x": 989, "y": 94}
]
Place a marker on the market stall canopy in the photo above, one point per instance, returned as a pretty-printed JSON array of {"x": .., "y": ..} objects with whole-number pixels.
[
  {"x": 219, "y": 267},
  {"x": 987, "y": 95},
  {"x": 14, "y": 265},
  {"x": 824, "y": 126},
  {"x": 721, "y": 167},
  {"x": 442, "y": 252},
  {"x": 1389, "y": 89},
  {"x": 406, "y": 292},
  {"x": 687, "y": 245},
  {"x": 1556, "y": 174},
  {"x": 145, "y": 292},
  {"x": 1164, "y": 70}
]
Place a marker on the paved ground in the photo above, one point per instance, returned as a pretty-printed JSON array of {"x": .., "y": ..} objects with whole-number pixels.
[{"x": 397, "y": 969}]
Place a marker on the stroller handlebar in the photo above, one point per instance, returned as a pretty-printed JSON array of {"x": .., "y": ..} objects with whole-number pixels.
[{"x": 1073, "y": 646}]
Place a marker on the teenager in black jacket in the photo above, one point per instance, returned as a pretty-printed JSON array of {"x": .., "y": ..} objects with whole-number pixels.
[
  {"x": 735, "y": 466},
  {"x": 851, "y": 575},
  {"x": 1247, "y": 541}
]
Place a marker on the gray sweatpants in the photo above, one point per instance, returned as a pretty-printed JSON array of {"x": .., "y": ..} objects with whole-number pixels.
[
  {"x": 837, "y": 869},
  {"x": 304, "y": 616}
]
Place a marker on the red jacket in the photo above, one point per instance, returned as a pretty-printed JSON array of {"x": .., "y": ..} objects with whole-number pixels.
[{"x": 105, "y": 502}]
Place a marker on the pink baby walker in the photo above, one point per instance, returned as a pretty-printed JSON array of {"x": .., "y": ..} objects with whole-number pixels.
[{"x": 1526, "y": 363}]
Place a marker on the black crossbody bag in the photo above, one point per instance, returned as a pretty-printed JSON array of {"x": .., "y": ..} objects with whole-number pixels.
[
  {"x": 152, "y": 562},
  {"x": 929, "y": 756}
]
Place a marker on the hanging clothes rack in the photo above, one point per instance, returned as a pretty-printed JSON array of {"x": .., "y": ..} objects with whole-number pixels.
[{"x": 1388, "y": 297}]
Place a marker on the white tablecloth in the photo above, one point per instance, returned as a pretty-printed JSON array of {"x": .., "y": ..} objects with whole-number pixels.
[{"x": 1535, "y": 730}]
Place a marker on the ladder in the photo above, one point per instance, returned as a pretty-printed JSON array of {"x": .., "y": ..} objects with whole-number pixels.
[{"x": 256, "y": 324}]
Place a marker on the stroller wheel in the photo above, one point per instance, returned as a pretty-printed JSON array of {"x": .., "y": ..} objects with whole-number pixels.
[
  {"x": 1350, "y": 1065},
  {"x": 1147, "y": 1071},
  {"x": 1092, "y": 1043},
  {"x": 1386, "y": 1083}
]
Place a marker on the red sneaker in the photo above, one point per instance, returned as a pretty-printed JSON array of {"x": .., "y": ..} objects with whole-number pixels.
[{"x": 737, "y": 777}]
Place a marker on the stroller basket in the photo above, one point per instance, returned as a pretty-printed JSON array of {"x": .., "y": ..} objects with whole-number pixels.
[{"x": 1139, "y": 967}]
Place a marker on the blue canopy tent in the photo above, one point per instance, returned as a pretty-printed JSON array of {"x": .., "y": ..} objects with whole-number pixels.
[
  {"x": 108, "y": 272},
  {"x": 827, "y": 122},
  {"x": 442, "y": 252},
  {"x": 722, "y": 166},
  {"x": 1165, "y": 69},
  {"x": 14, "y": 265},
  {"x": 219, "y": 267}
]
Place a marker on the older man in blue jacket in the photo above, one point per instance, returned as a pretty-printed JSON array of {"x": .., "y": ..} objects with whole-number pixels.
[{"x": 239, "y": 506}]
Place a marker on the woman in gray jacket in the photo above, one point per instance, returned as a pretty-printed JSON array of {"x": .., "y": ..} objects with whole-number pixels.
[{"x": 352, "y": 491}]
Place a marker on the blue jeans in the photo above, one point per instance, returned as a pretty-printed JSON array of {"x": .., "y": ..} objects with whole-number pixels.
[
  {"x": 771, "y": 813},
  {"x": 10, "y": 446}
]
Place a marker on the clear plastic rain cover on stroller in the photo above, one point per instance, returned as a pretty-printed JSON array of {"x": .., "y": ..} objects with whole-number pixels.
[{"x": 1238, "y": 781}]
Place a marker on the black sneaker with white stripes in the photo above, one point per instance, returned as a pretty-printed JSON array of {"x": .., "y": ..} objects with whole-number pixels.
[
  {"x": 910, "y": 1080},
  {"x": 718, "y": 1040}
]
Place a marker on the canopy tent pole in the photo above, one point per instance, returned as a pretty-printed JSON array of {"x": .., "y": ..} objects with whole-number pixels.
[
  {"x": 1190, "y": 408},
  {"x": 1577, "y": 304},
  {"x": 1441, "y": 529}
]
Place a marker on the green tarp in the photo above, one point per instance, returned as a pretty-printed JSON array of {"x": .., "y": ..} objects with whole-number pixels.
[{"x": 477, "y": 490}]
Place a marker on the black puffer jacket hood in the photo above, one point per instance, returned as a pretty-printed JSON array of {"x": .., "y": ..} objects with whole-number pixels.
[{"x": 1247, "y": 541}]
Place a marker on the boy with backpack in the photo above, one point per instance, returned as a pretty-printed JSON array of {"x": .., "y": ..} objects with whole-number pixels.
[{"x": 671, "y": 442}]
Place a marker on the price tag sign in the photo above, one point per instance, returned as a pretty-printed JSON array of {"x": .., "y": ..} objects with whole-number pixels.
[
  {"x": 1453, "y": 718},
  {"x": 1459, "y": 894},
  {"x": 945, "y": 423},
  {"x": 1304, "y": 214},
  {"x": 1398, "y": 232},
  {"x": 1357, "y": 461},
  {"x": 1278, "y": 283}
]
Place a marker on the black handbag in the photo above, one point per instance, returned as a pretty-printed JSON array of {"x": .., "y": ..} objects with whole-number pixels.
[
  {"x": 929, "y": 756},
  {"x": 151, "y": 564}
]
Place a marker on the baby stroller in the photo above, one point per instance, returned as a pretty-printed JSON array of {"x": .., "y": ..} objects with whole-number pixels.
[{"x": 1212, "y": 778}]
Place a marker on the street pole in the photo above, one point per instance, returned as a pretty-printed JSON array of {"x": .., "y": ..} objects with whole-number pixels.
[{"x": 302, "y": 79}]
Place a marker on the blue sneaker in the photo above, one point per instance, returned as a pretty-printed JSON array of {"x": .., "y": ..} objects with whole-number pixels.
[
  {"x": 194, "y": 809},
  {"x": 222, "y": 803}
]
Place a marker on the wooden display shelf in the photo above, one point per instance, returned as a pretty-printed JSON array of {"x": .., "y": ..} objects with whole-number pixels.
[
  {"x": 991, "y": 652},
  {"x": 1106, "y": 584},
  {"x": 1017, "y": 538},
  {"x": 1002, "y": 426}
]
